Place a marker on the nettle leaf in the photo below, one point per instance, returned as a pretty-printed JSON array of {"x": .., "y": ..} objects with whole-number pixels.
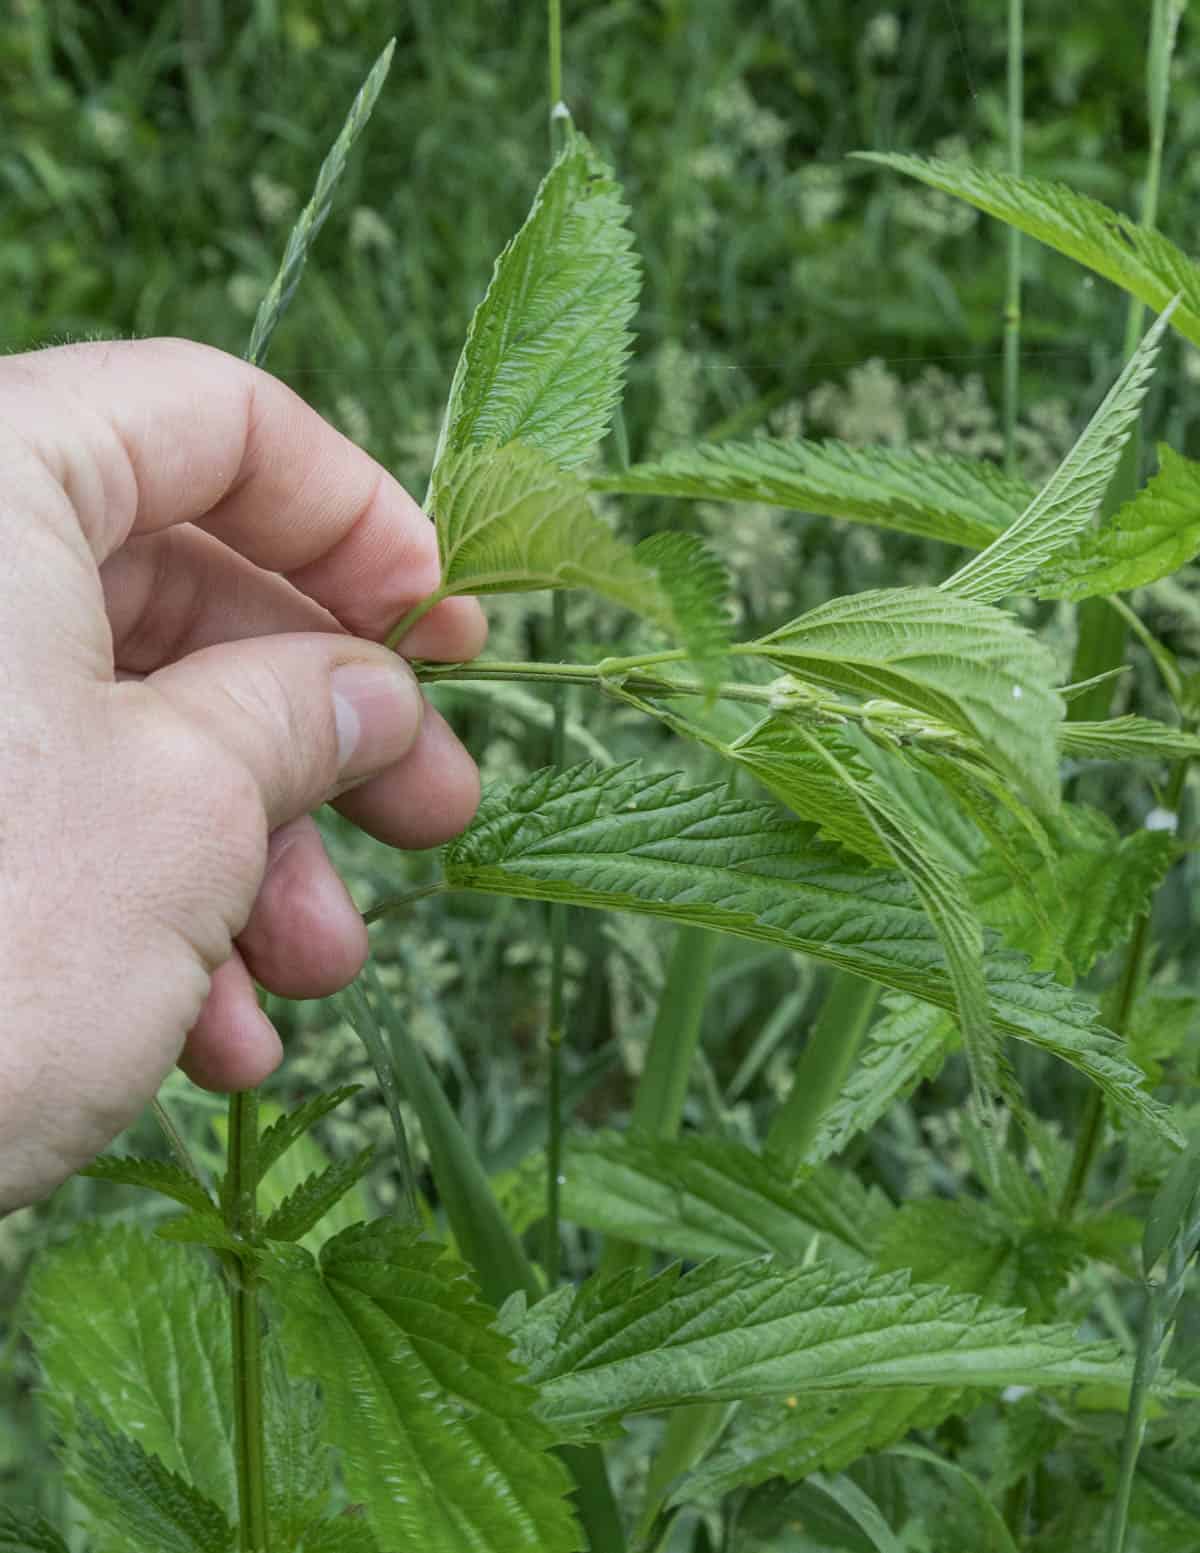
[
  {"x": 1138, "y": 259},
  {"x": 696, "y": 586},
  {"x": 347, "y": 1534},
  {"x": 1148, "y": 538},
  {"x": 132, "y": 1494},
  {"x": 25, "y": 1531},
  {"x": 1090, "y": 891},
  {"x": 286, "y": 1129},
  {"x": 963, "y": 663},
  {"x": 801, "y": 777},
  {"x": 1127, "y": 738},
  {"x": 783, "y": 1439},
  {"x": 156, "y": 1175},
  {"x": 135, "y": 1333},
  {"x": 1069, "y": 500},
  {"x": 623, "y": 839},
  {"x": 436, "y": 1426},
  {"x": 545, "y": 354},
  {"x": 304, "y": 1208},
  {"x": 726, "y": 1332},
  {"x": 908, "y": 1044},
  {"x": 973, "y": 1247},
  {"x": 698, "y": 1197},
  {"x": 962, "y": 501}
]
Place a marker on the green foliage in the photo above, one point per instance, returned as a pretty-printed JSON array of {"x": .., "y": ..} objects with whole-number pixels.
[
  {"x": 156, "y": 1175},
  {"x": 1137, "y": 258},
  {"x": 304, "y": 1208},
  {"x": 728, "y": 1332},
  {"x": 1149, "y": 538},
  {"x": 546, "y": 350},
  {"x": 698, "y": 1197},
  {"x": 24, "y": 1531},
  {"x": 292, "y": 1125},
  {"x": 959, "y": 500},
  {"x": 419, "y": 1392}
]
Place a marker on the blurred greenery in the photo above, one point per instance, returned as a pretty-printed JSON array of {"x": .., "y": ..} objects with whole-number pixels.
[{"x": 152, "y": 160}]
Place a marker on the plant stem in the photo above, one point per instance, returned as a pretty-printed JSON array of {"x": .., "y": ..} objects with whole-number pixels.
[
  {"x": 558, "y": 951},
  {"x": 554, "y": 35},
  {"x": 241, "y": 1219},
  {"x": 402, "y": 902},
  {"x": 1102, "y": 635},
  {"x": 418, "y": 612},
  {"x": 828, "y": 1055},
  {"x": 175, "y": 1142},
  {"x": 1012, "y": 302}
]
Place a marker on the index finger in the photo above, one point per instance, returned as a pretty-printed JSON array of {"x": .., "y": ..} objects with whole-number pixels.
[{"x": 146, "y": 434}]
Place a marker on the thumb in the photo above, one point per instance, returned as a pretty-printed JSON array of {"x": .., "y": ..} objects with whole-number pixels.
[{"x": 306, "y": 715}]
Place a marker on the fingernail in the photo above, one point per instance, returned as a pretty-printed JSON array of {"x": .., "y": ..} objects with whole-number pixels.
[{"x": 377, "y": 710}]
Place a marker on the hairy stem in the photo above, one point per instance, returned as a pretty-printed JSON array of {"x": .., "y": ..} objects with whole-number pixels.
[
  {"x": 241, "y": 1219},
  {"x": 558, "y": 952}
]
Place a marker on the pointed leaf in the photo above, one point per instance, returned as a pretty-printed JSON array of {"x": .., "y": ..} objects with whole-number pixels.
[
  {"x": 437, "y": 1432},
  {"x": 347, "y": 1534},
  {"x": 963, "y": 663},
  {"x": 156, "y": 1175},
  {"x": 25, "y": 1531},
  {"x": 751, "y": 1330},
  {"x": 782, "y": 1439},
  {"x": 697, "y": 1197},
  {"x": 910, "y": 1043},
  {"x": 132, "y": 1494},
  {"x": 201, "y": 1229},
  {"x": 622, "y": 839},
  {"x": 1148, "y": 538},
  {"x": 303, "y": 1209},
  {"x": 1069, "y": 500},
  {"x": 545, "y": 353},
  {"x": 1127, "y": 738},
  {"x": 1140, "y": 260},
  {"x": 961, "y": 501},
  {"x": 283, "y": 1132}
]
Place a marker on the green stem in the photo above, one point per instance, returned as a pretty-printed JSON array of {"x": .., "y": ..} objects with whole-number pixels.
[
  {"x": 829, "y": 1054},
  {"x": 558, "y": 951},
  {"x": 418, "y": 612},
  {"x": 241, "y": 1219},
  {"x": 554, "y": 35},
  {"x": 1145, "y": 1367},
  {"x": 402, "y": 902},
  {"x": 1012, "y": 301},
  {"x": 1102, "y": 635},
  {"x": 175, "y": 1142},
  {"x": 689, "y": 1433}
]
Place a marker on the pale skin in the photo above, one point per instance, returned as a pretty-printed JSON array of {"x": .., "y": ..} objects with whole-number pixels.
[{"x": 196, "y": 576}]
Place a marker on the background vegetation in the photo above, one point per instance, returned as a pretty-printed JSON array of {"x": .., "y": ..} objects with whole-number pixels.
[{"x": 153, "y": 160}]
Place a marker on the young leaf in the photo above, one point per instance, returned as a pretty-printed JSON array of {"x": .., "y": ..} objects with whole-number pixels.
[
  {"x": 696, "y": 586},
  {"x": 200, "y": 1229},
  {"x": 436, "y": 1427},
  {"x": 285, "y": 1130},
  {"x": 1137, "y": 258},
  {"x": 725, "y": 1332},
  {"x": 345, "y": 1534},
  {"x": 1068, "y": 501},
  {"x": 545, "y": 353},
  {"x": 25, "y": 1531},
  {"x": 961, "y": 501},
  {"x": 1089, "y": 895},
  {"x": 910, "y": 1043},
  {"x": 131, "y": 1494},
  {"x": 1148, "y": 538},
  {"x": 781, "y": 1439},
  {"x": 156, "y": 1175},
  {"x": 697, "y": 1197},
  {"x": 1127, "y": 738},
  {"x": 135, "y": 1333},
  {"x": 620, "y": 839},
  {"x": 965, "y": 664},
  {"x": 304, "y": 1208}
]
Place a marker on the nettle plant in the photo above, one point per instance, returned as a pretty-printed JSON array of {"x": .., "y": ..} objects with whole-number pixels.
[{"x": 889, "y": 803}]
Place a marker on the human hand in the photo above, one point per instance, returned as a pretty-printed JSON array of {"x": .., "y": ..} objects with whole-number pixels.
[{"x": 192, "y": 562}]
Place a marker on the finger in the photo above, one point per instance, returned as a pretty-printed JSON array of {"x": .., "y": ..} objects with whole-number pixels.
[
  {"x": 289, "y": 718},
  {"x": 426, "y": 799},
  {"x": 144, "y": 435},
  {"x": 176, "y": 592},
  {"x": 233, "y": 1045},
  {"x": 305, "y": 937}
]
